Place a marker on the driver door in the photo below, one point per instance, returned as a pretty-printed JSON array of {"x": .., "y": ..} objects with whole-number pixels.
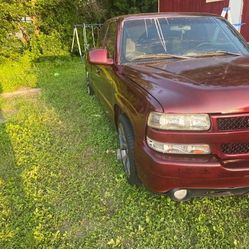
[{"x": 104, "y": 74}]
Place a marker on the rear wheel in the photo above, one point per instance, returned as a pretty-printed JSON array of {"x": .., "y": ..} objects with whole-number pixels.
[
  {"x": 126, "y": 151},
  {"x": 89, "y": 89}
]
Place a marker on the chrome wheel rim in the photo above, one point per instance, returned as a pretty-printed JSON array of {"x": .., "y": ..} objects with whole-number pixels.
[{"x": 124, "y": 152}]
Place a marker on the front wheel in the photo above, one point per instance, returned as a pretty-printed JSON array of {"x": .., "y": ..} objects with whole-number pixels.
[{"x": 126, "y": 151}]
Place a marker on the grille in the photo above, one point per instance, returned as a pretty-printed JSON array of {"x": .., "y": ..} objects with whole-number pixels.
[
  {"x": 232, "y": 149},
  {"x": 233, "y": 123}
]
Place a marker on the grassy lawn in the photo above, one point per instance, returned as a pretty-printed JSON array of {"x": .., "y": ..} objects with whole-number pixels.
[
  {"x": 62, "y": 187},
  {"x": 17, "y": 74}
]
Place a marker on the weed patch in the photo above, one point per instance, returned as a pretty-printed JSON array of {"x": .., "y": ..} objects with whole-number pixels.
[
  {"x": 15, "y": 74},
  {"x": 62, "y": 187}
]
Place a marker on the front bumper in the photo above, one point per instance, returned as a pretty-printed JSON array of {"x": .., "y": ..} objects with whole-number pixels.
[{"x": 161, "y": 173}]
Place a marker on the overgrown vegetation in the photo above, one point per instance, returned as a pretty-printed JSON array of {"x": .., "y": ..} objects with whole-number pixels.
[
  {"x": 48, "y": 32},
  {"x": 120, "y": 7},
  {"x": 40, "y": 27},
  {"x": 60, "y": 183},
  {"x": 16, "y": 74},
  {"x": 50, "y": 23},
  {"x": 62, "y": 187}
]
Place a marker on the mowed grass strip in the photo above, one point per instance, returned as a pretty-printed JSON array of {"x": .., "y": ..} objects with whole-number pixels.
[{"x": 62, "y": 187}]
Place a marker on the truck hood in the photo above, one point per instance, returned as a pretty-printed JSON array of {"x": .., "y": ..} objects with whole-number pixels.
[{"x": 196, "y": 85}]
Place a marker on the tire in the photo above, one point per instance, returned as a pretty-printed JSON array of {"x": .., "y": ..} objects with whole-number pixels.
[
  {"x": 89, "y": 89},
  {"x": 126, "y": 143}
]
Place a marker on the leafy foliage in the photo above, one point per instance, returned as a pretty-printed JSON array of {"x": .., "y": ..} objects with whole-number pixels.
[
  {"x": 120, "y": 7},
  {"x": 50, "y": 31},
  {"x": 10, "y": 16},
  {"x": 18, "y": 73}
]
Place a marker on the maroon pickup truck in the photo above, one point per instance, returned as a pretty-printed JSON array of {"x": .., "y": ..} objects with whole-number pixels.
[{"x": 176, "y": 86}]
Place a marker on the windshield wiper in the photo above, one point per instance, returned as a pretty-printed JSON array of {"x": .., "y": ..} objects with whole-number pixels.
[
  {"x": 213, "y": 53},
  {"x": 159, "y": 56}
]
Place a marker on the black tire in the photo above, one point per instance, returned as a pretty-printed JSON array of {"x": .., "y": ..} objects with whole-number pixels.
[
  {"x": 89, "y": 90},
  {"x": 126, "y": 142},
  {"x": 88, "y": 85}
]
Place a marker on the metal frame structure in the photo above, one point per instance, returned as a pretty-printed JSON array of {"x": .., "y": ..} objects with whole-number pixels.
[{"x": 88, "y": 30}]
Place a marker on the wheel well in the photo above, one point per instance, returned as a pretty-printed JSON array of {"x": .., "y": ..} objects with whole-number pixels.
[{"x": 117, "y": 112}]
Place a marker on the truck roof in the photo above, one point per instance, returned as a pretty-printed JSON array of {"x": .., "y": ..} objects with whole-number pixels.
[{"x": 161, "y": 14}]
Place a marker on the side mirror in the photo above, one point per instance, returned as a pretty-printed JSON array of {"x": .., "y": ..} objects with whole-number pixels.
[{"x": 99, "y": 57}]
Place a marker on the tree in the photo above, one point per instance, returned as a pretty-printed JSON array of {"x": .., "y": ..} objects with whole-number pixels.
[
  {"x": 53, "y": 20},
  {"x": 121, "y": 7},
  {"x": 12, "y": 29}
]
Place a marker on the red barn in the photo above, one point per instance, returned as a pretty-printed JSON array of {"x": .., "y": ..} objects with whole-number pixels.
[{"x": 239, "y": 9}]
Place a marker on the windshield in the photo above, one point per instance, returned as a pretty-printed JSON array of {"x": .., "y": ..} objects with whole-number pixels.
[{"x": 179, "y": 37}]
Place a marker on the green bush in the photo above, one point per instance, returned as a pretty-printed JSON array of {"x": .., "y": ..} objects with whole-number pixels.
[
  {"x": 47, "y": 45},
  {"x": 15, "y": 74},
  {"x": 50, "y": 32}
]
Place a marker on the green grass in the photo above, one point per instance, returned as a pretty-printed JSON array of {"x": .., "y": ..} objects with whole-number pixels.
[
  {"x": 17, "y": 74},
  {"x": 62, "y": 187}
]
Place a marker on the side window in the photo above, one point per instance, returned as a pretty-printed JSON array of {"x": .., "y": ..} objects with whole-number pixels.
[
  {"x": 110, "y": 39},
  {"x": 102, "y": 35}
]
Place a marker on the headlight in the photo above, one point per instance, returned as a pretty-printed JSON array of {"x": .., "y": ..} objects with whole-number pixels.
[
  {"x": 182, "y": 122},
  {"x": 172, "y": 148}
]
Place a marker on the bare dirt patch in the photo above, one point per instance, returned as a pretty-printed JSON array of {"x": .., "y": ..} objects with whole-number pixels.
[{"x": 22, "y": 92}]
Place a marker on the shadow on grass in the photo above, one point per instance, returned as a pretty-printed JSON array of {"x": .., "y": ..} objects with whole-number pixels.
[
  {"x": 13, "y": 200},
  {"x": 7, "y": 158},
  {"x": 85, "y": 195},
  {"x": 89, "y": 130},
  {"x": 40, "y": 164}
]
